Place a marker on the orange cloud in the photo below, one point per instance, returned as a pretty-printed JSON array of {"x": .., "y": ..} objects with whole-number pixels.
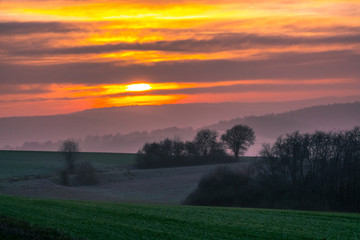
[{"x": 107, "y": 44}]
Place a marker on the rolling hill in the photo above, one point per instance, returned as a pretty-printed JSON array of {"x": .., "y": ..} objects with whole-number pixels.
[
  {"x": 14, "y": 131},
  {"x": 268, "y": 127}
]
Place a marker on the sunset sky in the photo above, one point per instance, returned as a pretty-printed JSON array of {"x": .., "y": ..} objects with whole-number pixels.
[{"x": 66, "y": 56}]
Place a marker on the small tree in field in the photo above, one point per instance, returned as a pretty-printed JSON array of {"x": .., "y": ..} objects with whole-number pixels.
[
  {"x": 238, "y": 139},
  {"x": 69, "y": 148}
]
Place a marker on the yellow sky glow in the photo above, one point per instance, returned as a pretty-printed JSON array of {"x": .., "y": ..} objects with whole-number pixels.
[{"x": 140, "y": 40}]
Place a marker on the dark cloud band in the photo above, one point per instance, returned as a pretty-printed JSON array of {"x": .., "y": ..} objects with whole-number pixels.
[
  {"x": 296, "y": 66},
  {"x": 17, "y": 28},
  {"x": 220, "y": 42}
]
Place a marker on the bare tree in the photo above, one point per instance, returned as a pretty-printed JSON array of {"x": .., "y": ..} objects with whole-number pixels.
[
  {"x": 69, "y": 148},
  {"x": 205, "y": 141},
  {"x": 238, "y": 139},
  {"x": 322, "y": 167}
]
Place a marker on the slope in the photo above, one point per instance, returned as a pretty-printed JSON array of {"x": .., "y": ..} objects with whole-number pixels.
[{"x": 97, "y": 220}]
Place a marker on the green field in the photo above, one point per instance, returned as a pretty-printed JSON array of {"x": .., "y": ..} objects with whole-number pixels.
[
  {"x": 29, "y": 163},
  {"x": 100, "y": 220},
  {"x": 110, "y": 220}
]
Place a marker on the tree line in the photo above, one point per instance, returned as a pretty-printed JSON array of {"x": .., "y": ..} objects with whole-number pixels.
[
  {"x": 318, "y": 171},
  {"x": 205, "y": 148}
]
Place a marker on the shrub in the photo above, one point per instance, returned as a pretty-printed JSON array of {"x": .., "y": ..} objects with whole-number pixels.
[
  {"x": 64, "y": 177},
  {"x": 85, "y": 174},
  {"x": 222, "y": 186}
]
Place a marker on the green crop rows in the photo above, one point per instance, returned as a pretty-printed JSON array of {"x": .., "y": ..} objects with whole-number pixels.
[{"x": 96, "y": 220}]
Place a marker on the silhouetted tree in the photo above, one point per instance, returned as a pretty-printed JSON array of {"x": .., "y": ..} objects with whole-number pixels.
[
  {"x": 69, "y": 148},
  {"x": 178, "y": 148},
  {"x": 206, "y": 142},
  {"x": 317, "y": 171},
  {"x": 204, "y": 149},
  {"x": 238, "y": 139},
  {"x": 322, "y": 168},
  {"x": 149, "y": 155}
]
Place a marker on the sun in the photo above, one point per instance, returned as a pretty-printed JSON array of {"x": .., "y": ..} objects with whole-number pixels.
[{"x": 138, "y": 87}]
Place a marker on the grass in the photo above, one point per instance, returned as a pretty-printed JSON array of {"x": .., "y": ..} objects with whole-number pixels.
[
  {"x": 99, "y": 220},
  {"x": 13, "y": 229},
  {"x": 30, "y": 163}
]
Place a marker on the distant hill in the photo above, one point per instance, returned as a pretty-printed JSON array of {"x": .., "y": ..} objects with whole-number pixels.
[
  {"x": 15, "y": 131},
  {"x": 269, "y": 127},
  {"x": 328, "y": 117}
]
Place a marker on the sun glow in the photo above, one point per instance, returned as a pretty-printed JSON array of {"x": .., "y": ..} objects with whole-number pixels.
[
  {"x": 138, "y": 87},
  {"x": 173, "y": 52}
]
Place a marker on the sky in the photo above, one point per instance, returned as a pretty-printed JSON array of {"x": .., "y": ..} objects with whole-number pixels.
[{"x": 65, "y": 56}]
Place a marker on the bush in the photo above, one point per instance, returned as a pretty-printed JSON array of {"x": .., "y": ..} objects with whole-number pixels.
[
  {"x": 64, "y": 177},
  {"x": 222, "y": 186},
  {"x": 86, "y": 174}
]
